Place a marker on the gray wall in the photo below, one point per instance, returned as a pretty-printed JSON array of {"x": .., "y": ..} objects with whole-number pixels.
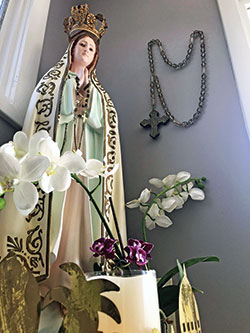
[
  {"x": 8, "y": 128},
  {"x": 217, "y": 146}
]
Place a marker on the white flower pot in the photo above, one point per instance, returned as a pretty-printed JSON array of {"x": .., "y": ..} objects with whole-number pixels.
[{"x": 137, "y": 302}]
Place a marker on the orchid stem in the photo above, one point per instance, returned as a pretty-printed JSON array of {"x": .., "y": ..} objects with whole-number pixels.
[
  {"x": 106, "y": 226},
  {"x": 117, "y": 226},
  {"x": 99, "y": 183}
]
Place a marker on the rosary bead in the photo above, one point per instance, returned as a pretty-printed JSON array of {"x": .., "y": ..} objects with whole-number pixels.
[{"x": 172, "y": 117}]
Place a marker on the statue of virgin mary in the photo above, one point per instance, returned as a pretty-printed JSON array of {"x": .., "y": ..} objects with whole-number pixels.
[{"x": 70, "y": 103}]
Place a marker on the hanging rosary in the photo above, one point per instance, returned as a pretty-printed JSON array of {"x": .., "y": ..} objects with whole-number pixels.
[{"x": 155, "y": 119}]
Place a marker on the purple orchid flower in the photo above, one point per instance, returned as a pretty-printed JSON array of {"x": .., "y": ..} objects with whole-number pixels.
[
  {"x": 104, "y": 247},
  {"x": 138, "y": 251}
]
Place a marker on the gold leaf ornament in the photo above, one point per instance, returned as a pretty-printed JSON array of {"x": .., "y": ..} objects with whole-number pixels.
[
  {"x": 83, "y": 301},
  {"x": 188, "y": 310},
  {"x": 19, "y": 297},
  {"x": 91, "y": 20}
]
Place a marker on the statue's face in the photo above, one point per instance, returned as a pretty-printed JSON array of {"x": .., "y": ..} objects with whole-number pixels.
[{"x": 84, "y": 51}]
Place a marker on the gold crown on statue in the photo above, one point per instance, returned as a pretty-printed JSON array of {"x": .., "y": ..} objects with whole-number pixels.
[{"x": 82, "y": 20}]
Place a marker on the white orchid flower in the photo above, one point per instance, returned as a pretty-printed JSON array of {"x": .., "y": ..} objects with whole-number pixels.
[
  {"x": 163, "y": 220},
  {"x": 58, "y": 175},
  {"x": 179, "y": 201},
  {"x": 151, "y": 217},
  {"x": 182, "y": 176},
  {"x": 18, "y": 176},
  {"x": 187, "y": 187},
  {"x": 169, "y": 204},
  {"x": 21, "y": 146},
  {"x": 171, "y": 192},
  {"x": 95, "y": 168},
  {"x": 175, "y": 199},
  {"x": 157, "y": 216},
  {"x": 35, "y": 141},
  {"x": 156, "y": 182},
  {"x": 168, "y": 181},
  {"x": 178, "y": 196},
  {"x": 142, "y": 200},
  {"x": 194, "y": 192},
  {"x": 197, "y": 194},
  {"x": 172, "y": 180},
  {"x": 18, "y": 147}
]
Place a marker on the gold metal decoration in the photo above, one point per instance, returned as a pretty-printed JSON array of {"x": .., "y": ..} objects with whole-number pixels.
[
  {"x": 188, "y": 310},
  {"x": 83, "y": 301},
  {"x": 19, "y": 297},
  {"x": 82, "y": 20}
]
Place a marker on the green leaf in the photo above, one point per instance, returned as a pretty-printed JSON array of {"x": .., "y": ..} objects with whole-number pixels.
[
  {"x": 187, "y": 263},
  {"x": 195, "y": 290},
  {"x": 168, "y": 299},
  {"x": 2, "y": 203},
  {"x": 181, "y": 274}
]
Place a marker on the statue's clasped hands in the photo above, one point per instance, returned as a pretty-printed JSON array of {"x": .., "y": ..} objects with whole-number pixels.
[{"x": 84, "y": 77}]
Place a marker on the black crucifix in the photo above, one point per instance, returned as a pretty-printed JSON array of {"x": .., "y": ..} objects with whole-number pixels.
[{"x": 154, "y": 121}]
